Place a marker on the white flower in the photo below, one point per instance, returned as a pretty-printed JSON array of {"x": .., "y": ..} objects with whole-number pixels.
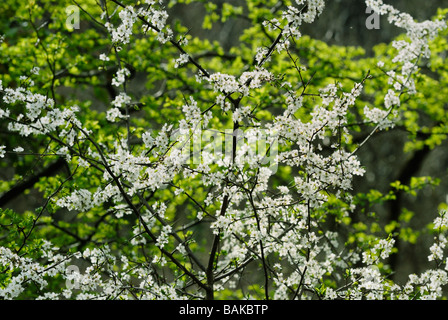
[
  {"x": 35, "y": 70},
  {"x": 18, "y": 149},
  {"x": 78, "y": 200},
  {"x": 192, "y": 111},
  {"x": 120, "y": 77},
  {"x": 441, "y": 221},
  {"x": 391, "y": 99},
  {"x": 83, "y": 163},
  {"x": 121, "y": 100},
  {"x": 224, "y": 83},
  {"x": 254, "y": 79},
  {"x": 4, "y": 113},
  {"x": 123, "y": 32},
  {"x": 378, "y": 116},
  {"x": 261, "y": 54},
  {"x": 147, "y": 139},
  {"x": 283, "y": 189},
  {"x": 183, "y": 59},
  {"x": 113, "y": 114},
  {"x": 2, "y": 151},
  {"x": 104, "y": 57}
]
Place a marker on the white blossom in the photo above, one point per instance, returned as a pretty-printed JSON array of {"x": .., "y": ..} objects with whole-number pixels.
[
  {"x": 122, "y": 34},
  {"x": 183, "y": 59},
  {"x": 104, "y": 57},
  {"x": 121, "y": 100},
  {"x": 120, "y": 77},
  {"x": 114, "y": 114}
]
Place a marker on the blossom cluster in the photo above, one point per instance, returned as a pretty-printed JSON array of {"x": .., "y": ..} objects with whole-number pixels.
[
  {"x": 247, "y": 216},
  {"x": 153, "y": 13},
  {"x": 122, "y": 34},
  {"x": 368, "y": 282},
  {"x": 120, "y": 77},
  {"x": 292, "y": 19},
  {"x": 409, "y": 52},
  {"x": 316, "y": 174},
  {"x": 335, "y": 170},
  {"x": 227, "y": 84},
  {"x": 183, "y": 59},
  {"x": 296, "y": 17},
  {"x": 89, "y": 283},
  {"x": 40, "y": 116},
  {"x": 378, "y": 116}
]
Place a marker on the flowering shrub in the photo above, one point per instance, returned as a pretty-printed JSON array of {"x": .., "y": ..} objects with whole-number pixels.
[{"x": 179, "y": 168}]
